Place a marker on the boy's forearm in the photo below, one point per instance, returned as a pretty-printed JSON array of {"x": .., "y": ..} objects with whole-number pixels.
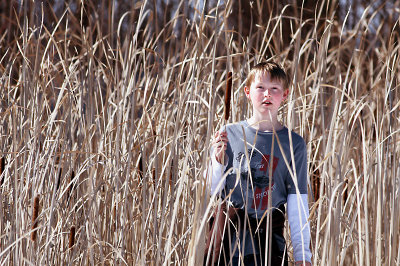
[
  {"x": 300, "y": 231},
  {"x": 215, "y": 173}
]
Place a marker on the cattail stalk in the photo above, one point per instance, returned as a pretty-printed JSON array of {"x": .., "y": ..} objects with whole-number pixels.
[
  {"x": 223, "y": 212},
  {"x": 35, "y": 214}
]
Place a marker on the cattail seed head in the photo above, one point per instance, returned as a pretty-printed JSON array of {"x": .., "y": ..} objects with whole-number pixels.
[
  {"x": 345, "y": 193},
  {"x": 2, "y": 164},
  {"x": 71, "y": 180},
  {"x": 71, "y": 237},
  {"x": 141, "y": 172},
  {"x": 228, "y": 95},
  {"x": 35, "y": 214},
  {"x": 58, "y": 179},
  {"x": 316, "y": 179},
  {"x": 2, "y": 167},
  {"x": 171, "y": 174}
]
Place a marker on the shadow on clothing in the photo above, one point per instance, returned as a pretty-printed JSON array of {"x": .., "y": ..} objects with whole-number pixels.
[{"x": 227, "y": 221}]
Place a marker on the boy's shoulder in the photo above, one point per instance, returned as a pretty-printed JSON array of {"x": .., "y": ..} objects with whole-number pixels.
[
  {"x": 234, "y": 126},
  {"x": 283, "y": 134},
  {"x": 295, "y": 136},
  {"x": 298, "y": 141}
]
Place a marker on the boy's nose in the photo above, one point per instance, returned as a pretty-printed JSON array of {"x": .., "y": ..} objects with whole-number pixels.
[{"x": 266, "y": 93}]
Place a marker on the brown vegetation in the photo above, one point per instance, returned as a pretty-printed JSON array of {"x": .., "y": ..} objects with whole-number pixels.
[{"x": 124, "y": 99}]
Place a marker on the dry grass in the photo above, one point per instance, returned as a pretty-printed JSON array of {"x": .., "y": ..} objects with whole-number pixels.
[{"x": 108, "y": 122}]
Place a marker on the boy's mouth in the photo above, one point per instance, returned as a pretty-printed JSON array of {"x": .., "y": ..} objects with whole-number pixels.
[{"x": 267, "y": 103}]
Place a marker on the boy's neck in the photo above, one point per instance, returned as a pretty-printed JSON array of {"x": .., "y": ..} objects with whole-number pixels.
[{"x": 264, "y": 125}]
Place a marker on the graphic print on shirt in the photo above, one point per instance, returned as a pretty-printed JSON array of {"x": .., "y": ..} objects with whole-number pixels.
[{"x": 259, "y": 169}]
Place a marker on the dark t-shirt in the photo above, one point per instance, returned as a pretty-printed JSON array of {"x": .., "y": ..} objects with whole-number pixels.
[
  {"x": 248, "y": 182},
  {"x": 253, "y": 178}
]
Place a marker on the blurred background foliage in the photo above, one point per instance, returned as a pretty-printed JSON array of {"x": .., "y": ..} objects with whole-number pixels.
[{"x": 101, "y": 20}]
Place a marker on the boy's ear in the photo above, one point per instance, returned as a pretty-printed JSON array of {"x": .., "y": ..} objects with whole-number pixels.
[
  {"x": 285, "y": 94},
  {"x": 247, "y": 91}
]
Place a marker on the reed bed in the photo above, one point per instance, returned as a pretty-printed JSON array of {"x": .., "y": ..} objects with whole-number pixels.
[{"x": 107, "y": 113}]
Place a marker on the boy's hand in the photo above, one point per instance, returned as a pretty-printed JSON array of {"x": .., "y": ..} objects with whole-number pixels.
[
  {"x": 219, "y": 144},
  {"x": 300, "y": 263}
]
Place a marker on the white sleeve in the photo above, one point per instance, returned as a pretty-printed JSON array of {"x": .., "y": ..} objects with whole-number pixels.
[
  {"x": 214, "y": 174},
  {"x": 298, "y": 214}
]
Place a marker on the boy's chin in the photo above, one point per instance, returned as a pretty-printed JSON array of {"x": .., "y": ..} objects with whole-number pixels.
[
  {"x": 265, "y": 118},
  {"x": 267, "y": 110},
  {"x": 268, "y": 115}
]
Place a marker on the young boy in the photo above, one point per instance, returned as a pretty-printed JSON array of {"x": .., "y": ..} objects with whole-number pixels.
[{"x": 265, "y": 167}]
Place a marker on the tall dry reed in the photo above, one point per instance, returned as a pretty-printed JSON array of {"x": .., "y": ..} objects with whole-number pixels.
[{"x": 127, "y": 98}]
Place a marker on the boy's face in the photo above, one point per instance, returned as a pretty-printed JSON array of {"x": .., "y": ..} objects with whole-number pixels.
[{"x": 266, "y": 95}]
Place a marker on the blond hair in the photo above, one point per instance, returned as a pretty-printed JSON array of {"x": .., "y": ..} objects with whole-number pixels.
[{"x": 275, "y": 70}]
